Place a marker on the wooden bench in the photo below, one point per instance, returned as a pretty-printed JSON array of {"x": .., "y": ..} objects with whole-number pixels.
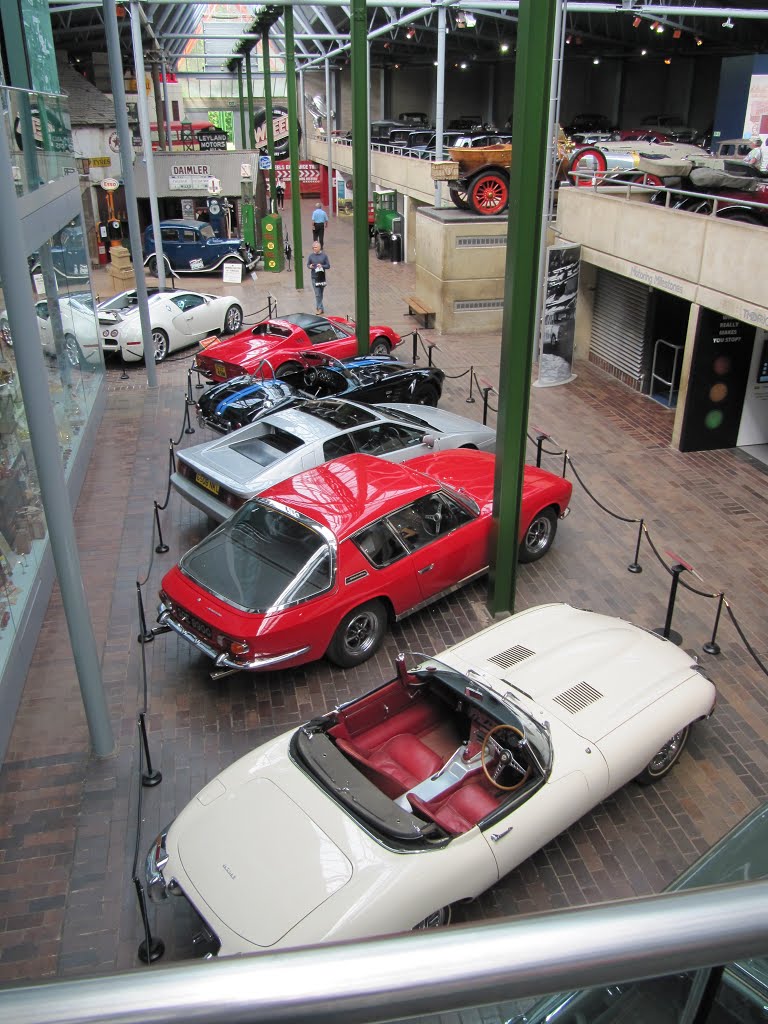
[{"x": 417, "y": 308}]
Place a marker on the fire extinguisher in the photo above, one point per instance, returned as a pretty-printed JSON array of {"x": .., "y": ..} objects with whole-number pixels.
[{"x": 101, "y": 242}]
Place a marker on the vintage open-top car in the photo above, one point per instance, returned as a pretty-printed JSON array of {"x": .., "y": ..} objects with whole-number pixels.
[
  {"x": 322, "y": 562},
  {"x": 276, "y": 347},
  {"x": 377, "y": 816},
  {"x": 233, "y": 403}
]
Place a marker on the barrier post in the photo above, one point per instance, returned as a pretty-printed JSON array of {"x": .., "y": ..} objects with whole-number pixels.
[
  {"x": 712, "y": 646},
  {"x": 667, "y": 632},
  {"x": 540, "y": 439},
  {"x": 151, "y": 776},
  {"x": 149, "y": 949},
  {"x": 415, "y": 355},
  {"x": 161, "y": 547},
  {"x": 471, "y": 399},
  {"x": 429, "y": 358},
  {"x": 486, "y": 392},
  {"x": 635, "y": 565}
]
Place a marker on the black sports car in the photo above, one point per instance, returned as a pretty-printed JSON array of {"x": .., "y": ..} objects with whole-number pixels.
[{"x": 235, "y": 402}]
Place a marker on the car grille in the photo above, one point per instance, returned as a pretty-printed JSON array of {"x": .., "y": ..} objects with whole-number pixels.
[
  {"x": 578, "y": 697},
  {"x": 505, "y": 659}
]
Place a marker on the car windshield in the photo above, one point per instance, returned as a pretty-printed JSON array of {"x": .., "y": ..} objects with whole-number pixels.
[
  {"x": 262, "y": 559},
  {"x": 206, "y": 231},
  {"x": 340, "y": 414}
]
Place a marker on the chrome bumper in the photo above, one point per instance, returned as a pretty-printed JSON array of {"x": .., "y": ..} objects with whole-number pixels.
[{"x": 220, "y": 658}]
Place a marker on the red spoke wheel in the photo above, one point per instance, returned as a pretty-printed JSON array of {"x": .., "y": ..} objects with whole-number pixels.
[
  {"x": 589, "y": 163},
  {"x": 489, "y": 193}
]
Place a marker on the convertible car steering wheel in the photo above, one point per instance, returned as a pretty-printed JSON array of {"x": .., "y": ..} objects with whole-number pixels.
[{"x": 495, "y": 750}]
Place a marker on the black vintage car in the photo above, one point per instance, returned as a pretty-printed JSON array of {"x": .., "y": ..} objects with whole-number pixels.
[{"x": 241, "y": 400}]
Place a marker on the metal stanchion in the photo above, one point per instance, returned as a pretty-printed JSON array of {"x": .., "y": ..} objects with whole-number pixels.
[
  {"x": 486, "y": 392},
  {"x": 635, "y": 565},
  {"x": 471, "y": 399},
  {"x": 415, "y": 355},
  {"x": 149, "y": 949},
  {"x": 540, "y": 439},
  {"x": 151, "y": 776},
  {"x": 712, "y": 646},
  {"x": 161, "y": 547},
  {"x": 667, "y": 632}
]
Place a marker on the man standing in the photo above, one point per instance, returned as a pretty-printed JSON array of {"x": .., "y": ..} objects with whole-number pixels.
[
  {"x": 758, "y": 156},
  {"x": 319, "y": 220},
  {"x": 318, "y": 263}
]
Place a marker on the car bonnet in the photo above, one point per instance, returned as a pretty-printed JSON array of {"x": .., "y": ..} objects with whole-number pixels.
[
  {"x": 444, "y": 421},
  {"x": 255, "y": 860},
  {"x": 592, "y": 672}
]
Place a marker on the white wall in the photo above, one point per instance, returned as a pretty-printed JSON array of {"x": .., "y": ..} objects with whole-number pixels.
[{"x": 753, "y": 428}]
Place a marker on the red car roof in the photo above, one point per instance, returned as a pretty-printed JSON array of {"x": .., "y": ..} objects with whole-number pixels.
[{"x": 347, "y": 493}]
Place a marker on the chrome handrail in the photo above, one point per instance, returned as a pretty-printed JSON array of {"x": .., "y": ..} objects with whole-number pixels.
[{"x": 422, "y": 972}]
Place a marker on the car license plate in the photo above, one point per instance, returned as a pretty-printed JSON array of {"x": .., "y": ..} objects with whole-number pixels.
[
  {"x": 209, "y": 485},
  {"x": 220, "y": 370}
]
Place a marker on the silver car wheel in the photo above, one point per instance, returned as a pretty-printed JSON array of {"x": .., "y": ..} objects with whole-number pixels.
[
  {"x": 160, "y": 344},
  {"x": 233, "y": 321},
  {"x": 439, "y": 919}
]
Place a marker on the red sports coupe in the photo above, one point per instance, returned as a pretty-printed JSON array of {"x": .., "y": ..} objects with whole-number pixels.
[
  {"x": 275, "y": 347},
  {"x": 322, "y": 562}
]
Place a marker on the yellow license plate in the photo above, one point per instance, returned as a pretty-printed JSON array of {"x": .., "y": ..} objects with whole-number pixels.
[
  {"x": 220, "y": 370},
  {"x": 209, "y": 485}
]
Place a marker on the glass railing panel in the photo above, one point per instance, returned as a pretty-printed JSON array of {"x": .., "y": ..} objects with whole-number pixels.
[{"x": 39, "y": 135}]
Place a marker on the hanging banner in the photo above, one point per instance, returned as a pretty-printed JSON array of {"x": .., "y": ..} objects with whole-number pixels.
[
  {"x": 309, "y": 177},
  {"x": 559, "y": 327}
]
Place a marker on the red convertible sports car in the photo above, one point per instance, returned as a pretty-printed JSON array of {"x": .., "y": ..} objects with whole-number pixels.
[
  {"x": 321, "y": 563},
  {"x": 275, "y": 347}
]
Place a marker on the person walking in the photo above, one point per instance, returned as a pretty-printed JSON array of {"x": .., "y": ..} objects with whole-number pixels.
[
  {"x": 319, "y": 220},
  {"x": 280, "y": 195},
  {"x": 318, "y": 263}
]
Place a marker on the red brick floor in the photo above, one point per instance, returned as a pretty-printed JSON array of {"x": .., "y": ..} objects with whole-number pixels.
[{"x": 68, "y": 821}]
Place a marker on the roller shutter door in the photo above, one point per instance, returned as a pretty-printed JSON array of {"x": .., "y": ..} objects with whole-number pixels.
[{"x": 619, "y": 325}]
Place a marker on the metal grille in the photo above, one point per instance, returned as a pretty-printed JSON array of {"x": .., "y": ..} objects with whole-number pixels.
[
  {"x": 578, "y": 697},
  {"x": 618, "y": 325},
  {"x": 472, "y": 305},
  {"x": 513, "y": 656},
  {"x": 480, "y": 241}
]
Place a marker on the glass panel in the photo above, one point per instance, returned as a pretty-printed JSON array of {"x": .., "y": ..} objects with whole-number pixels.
[{"x": 39, "y": 137}]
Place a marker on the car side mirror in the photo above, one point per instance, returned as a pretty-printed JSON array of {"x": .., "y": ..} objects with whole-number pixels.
[{"x": 428, "y": 440}]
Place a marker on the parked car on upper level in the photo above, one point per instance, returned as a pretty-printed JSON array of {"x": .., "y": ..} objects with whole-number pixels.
[
  {"x": 192, "y": 247},
  {"x": 380, "y": 130},
  {"x": 274, "y": 347},
  {"x": 234, "y": 403},
  {"x": 377, "y": 816},
  {"x": 177, "y": 318},
  {"x": 671, "y": 125},
  {"x": 589, "y": 124},
  {"x": 416, "y": 119}
]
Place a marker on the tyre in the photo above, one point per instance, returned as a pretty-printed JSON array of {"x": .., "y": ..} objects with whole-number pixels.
[
  {"x": 233, "y": 321},
  {"x": 5, "y": 332},
  {"x": 72, "y": 351},
  {"x": 741, "y": 218},
  {"x": 459, "y": 198},
  {"x": 379, "y": 347},
  {"x": 425, "y": 394},
  {"x": 539, "y": 535},
  {"x": 664, "y": 761},
  {"x": 488, "y": 192},
  {"x": 695, "y": 206},
  {"x": 358, "y": 635},
  {"x": 439, "y": 919},
  {"x": 589, "y": 163},
  {"x": 152, "y": 266},
  {"x": 160, "y": 344}
]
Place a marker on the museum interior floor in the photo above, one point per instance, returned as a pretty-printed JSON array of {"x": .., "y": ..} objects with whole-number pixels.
[{"x": 69, "y": 822}]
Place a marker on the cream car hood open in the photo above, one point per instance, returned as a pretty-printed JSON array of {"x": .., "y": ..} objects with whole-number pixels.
[
  {"x": 243, "y": 842},
  {"x": 591, "y": 672}
]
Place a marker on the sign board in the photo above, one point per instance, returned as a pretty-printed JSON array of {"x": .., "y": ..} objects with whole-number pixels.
[
  {"x": 341, "y": 187},
  {"x": 99, "y": 161},
  {"x": 109, "y": 184},
  {"x": 556, "y": 352},
  {"x": 212, "y": 140},
  {"x": 39, "y": 283},
  {"x": 233, "y": 272},
  {"x": 189, "y": 176},
  {"x": 265, "y": 163}
]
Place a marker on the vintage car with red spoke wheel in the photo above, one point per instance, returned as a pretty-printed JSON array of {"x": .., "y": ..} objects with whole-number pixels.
[
  {"x": 321, "y": 563},
  {"x": 276, "y": 347},
  {"x": 233, "y": 403},
  {"x": 377, "y": 816},
  {"x": 488, "y": 192}
]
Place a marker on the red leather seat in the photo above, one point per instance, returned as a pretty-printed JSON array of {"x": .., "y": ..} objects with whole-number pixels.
[
  {"x": 405, "y": 758},
  {"x": 461, "y": 811}
]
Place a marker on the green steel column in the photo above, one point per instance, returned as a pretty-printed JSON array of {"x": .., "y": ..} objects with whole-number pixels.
[
  {"x": 535, "y": 34},
  {"x": 359, "y": 55},
  {"x": 249, "y": 84},
  {"x": 293, "y": 145},
  {"x": 243, "y": 137},
  {"x": 268, "y": 113}
]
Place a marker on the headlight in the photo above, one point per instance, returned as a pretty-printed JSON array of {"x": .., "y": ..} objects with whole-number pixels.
[{"x": 157, "y": 858}]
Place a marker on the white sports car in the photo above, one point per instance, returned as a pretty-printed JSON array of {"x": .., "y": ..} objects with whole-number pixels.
[
  {"x": 178, "y": 318},
  {"x": 78, "y": 320},
  {"x": 377, "y": 816}
]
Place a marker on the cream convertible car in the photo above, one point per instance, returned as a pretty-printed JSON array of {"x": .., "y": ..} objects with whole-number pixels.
[{"x": 375, "y": 817}]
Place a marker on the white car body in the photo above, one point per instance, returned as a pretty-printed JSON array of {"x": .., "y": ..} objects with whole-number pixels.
[
  {"x": 270, "y": 859},
  {"x": 78, "y": 320},
  {"x": 218, "y": 476},
  {"x": 178, "y": 319}
]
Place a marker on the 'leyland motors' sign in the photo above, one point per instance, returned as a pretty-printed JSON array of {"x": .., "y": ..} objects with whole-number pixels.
[{"x": 189, "y": 176}]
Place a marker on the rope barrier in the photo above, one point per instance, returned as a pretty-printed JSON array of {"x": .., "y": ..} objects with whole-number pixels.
[
  {"x": 744, "y": 640},
  {"x": 615, "y": 515}
]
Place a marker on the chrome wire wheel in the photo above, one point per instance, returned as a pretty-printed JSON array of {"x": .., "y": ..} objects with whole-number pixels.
[
  {"x": 665, "y": 759},
  {"x": 159, "y": 344}
]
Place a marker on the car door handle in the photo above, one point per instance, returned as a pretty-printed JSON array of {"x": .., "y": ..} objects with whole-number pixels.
[
  {"x": 427, "y": 568},
  {"x": 189, "y": 318}
]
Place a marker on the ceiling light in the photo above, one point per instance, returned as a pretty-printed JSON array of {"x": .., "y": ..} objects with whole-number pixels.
[
  {"x": 676, "y": 34},
  {"x": 504, "y": 47},
  {"x": 463, "y": 66},
  {"x": 595, "y": 60},
  {"x": 660, "y": 29},
  {"x": 727, "y": 23},
  {"x": 410, "y": 33},
  {"x": 567, "y": 39},
  {"x": 460, "y": 20},
  {"x": 470, "y": 19},
  {"x": 636, "y": 22},
  {"x": 654, "y": 26},
  {"x": 698, "y": 41},
  {"x": 643, "y": 53},
  {"x": 667, "y": 60}
]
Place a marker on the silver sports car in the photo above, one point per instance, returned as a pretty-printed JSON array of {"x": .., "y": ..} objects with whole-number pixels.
[{"x": 218, "y": 476}]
